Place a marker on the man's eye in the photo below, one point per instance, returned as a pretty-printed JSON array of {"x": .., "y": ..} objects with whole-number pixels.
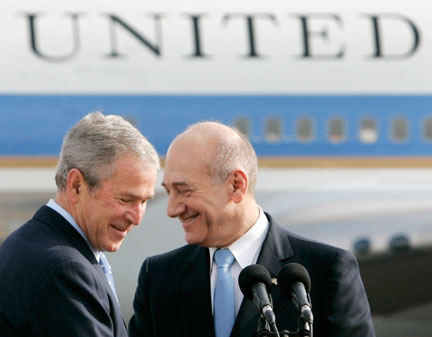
[
  {"x": 125, "y": 200},
  {"x": 184, "y": 191}
]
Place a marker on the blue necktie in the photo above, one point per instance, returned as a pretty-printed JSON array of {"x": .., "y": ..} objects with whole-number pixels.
[
  {"x": 107, "y": 270},
  {"x": 224, "y": 310}
]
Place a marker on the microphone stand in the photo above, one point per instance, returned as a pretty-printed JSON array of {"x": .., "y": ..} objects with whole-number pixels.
[
  {"x": 263, "y": 329},
  {"x": 304, "y": 330}
]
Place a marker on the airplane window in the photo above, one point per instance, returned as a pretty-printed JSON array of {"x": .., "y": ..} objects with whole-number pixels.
[
  {"x": 368, "y": 132},
  {"x": 305, "y": 129},
  {"x": 427, "y": 129},
  {"x": 273, "y": 132},
  {"x": 243, "y": 125},
  {"x": 337, "y": 130},
  {"x": 399, "y": 130}
]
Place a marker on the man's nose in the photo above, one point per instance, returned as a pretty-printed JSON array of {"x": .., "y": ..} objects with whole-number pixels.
[
  {"x": 175, "y": 207},
  {"x": 136, "y": 213}
]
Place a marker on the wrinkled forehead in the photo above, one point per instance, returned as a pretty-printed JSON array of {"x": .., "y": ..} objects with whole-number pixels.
[{"x": 186, "y": 161}]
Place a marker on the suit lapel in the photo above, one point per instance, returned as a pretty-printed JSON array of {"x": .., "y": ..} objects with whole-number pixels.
[
  {"x": 195, "y": 305},
  {"x": 60, "y": 225},
  {"x": 274, "y": 251}
]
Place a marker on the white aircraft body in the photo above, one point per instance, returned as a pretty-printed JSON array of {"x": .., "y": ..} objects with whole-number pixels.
[{"x": 314, "y": 85}]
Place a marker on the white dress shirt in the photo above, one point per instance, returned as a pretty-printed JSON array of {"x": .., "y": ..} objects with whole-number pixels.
[
  {"x": 65, "y": 214},
  {"x": 246, "y": 251}
]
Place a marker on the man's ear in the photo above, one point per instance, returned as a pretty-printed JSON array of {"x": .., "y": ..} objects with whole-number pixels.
[
  {"x": 75, "y": 184},
  {"x": 238, "y": 184}
]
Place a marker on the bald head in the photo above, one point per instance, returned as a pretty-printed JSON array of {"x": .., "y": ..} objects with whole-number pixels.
[{"x": 221, "y": 148}]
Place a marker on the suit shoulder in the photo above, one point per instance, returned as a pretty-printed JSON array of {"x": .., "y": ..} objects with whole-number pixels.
[
  {"x": 34, "y": 239},
  {"x": 321, "y": 257},
  {"x": 306, "y": 249},
  {"x": 33, "y": 251},
  {"x": 40, "y": 260},
  {"x": 284, "y": 237},
  {"x": 176, "y": 256},
  {"x": 300, "y": 241},
  {"x": 169, "y": 265}
]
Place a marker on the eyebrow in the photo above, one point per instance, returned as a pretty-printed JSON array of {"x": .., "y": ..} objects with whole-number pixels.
[
  {"x": 176, "y": 184},
  {"x": 135, "y": 196}
]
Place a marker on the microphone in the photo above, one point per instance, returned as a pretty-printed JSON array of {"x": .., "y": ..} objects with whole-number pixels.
[
  {"x": 294, "y": 282},
  {"x": 255, "y": 284}
]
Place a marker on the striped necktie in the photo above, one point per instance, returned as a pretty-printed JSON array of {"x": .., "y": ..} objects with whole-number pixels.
[
  {"x": 107, "y": 270},
  {"x": 224, "y": 309}
]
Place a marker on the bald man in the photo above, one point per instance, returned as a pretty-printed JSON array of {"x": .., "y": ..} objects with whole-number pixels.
[{"x": 210, "y": 175}]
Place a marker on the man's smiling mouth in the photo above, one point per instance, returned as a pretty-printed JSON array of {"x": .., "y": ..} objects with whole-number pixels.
[{"x": 190, "y": 218}]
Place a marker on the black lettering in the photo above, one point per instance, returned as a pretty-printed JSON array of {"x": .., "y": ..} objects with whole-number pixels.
[
  {"x": 250, "y": 28},
  {"x": 196, "y": 32},
  {"x": 377, "y": 36},
  {"x": 34, "y": 38},
  {"x": 155, "y": 48},
  {"x": 308, "y": 35}
]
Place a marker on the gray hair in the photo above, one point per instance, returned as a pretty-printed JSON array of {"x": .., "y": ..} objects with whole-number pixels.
[
  {"x": 95, "y": 143},
  {"x": 232, "y": 150}
]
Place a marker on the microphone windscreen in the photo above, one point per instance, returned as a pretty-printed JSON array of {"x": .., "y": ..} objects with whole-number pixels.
[
  {"x": 290, "y": 273},
  {"x": 250, "y": 276}
]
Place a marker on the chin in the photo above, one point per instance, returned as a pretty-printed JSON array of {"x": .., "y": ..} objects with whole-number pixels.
[
  {"x": 198, "y": 242},
  {"x": 113, "y": 248},
  {"x": 192, "y": 240}
]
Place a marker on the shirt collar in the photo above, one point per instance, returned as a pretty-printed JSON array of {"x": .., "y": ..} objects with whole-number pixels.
[
  {"x": 247, "y": 247},
  {"x": 65, "y": 214}
]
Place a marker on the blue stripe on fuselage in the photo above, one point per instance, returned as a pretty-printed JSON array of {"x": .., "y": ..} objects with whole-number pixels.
[{"x": 36, "y": 124}]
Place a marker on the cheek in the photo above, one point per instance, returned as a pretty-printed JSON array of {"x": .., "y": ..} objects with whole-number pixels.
[
  {"x": 112, "y": 209},
  {"x": 104, "y": 215},
  {"x": 198, "y": 235}
]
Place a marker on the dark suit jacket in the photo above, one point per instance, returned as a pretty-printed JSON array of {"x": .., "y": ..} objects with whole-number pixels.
[
  {"x": 173, "y": 294},
  {"x": 52, "y": 285}
]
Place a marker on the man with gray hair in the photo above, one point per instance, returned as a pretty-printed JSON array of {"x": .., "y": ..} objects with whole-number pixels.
[
  {"x": 54, "y": 277},
  {"x": 210, "y": 174}
]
